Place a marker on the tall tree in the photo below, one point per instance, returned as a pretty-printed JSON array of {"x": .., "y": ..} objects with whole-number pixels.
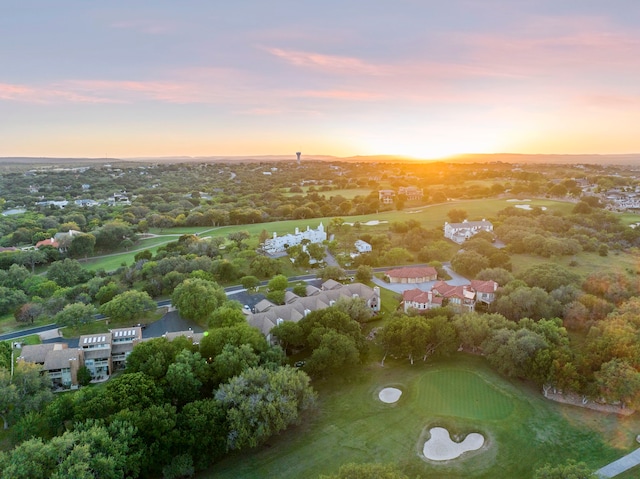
[
  {"x": 128, "y": 306},
  {"x": 197, "y": 298},
  {"x": 261, "y": 402}
]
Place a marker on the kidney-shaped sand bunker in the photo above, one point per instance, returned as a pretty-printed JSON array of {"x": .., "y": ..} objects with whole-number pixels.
[{"x": 440, "y": 446}]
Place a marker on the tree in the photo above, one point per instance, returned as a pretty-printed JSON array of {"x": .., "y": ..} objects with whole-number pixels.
[
  {"x": 250, "y": 282},
  {"x": 356, "y": 308},
  {"x": 28, "y": 390},
  {"x": 152, "y": 358},
  {"x": 197, "y": 298},
  {"x": 265, "y": 267},
  {"x": 364, "y": 273},
  {"x": 214, "y": 342},
  {"x": 75, "y": 314},
  {"x": 31, "y": 258},
  {"x": 227, "y": 315},
  {"x": 524, "y": 302},
  {"x": 276, "y": 296},
  {"x": 331, "y": 272},
  {"x": 202, "y": 431},
  {"x": 261, "y": 402},
  {"x": 549, "y": 276},
  {"x": 367, "y": 471},
  {"x": 82, "y": 245},
  {"x": 569, "y": 470},
  {"x": 238, "y": 237},
  {"x": 28, "y": 312},
  {"x": 278, "y": 283},
  {"x": 68, "y": 272},
  {"x": 617, "y": 380},
  {"x": 300, "y": 289},
  {"x": 84, "y": 376},
  {"x": 233, "y": 360},
  {"x": 469, "y": 263},
  {"x": 457, "y": 215},
  {"x": 332, "y": 351},
  {"x": 128, "y": 306},
  {"x": 10, "y": 299}
]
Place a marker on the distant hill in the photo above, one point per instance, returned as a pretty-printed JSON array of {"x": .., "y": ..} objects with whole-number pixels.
[{"x": 602, "y": 159}]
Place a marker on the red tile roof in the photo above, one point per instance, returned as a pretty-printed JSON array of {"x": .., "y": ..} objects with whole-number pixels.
[
  {"x": 48, "y": 242},
  {"x": 412, "y": 272}
]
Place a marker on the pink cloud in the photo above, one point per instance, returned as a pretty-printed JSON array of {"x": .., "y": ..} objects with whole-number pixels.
[
  {"x": 329, "y": 63},
  {"x": 45, "y": 94}
]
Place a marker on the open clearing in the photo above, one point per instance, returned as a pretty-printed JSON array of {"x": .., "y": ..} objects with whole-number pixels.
[{"x": 462, "y": 395}]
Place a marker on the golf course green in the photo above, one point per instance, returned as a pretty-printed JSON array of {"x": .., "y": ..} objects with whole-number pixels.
[{"x": 522, "y": 429}]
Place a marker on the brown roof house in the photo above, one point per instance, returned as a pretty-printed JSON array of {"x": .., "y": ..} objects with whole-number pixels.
[
  {"x": 97, "y": 354},
  {"x": 412, "y": 274},
  {"x": 268, "y": 315},
  {"x": 60, "y": 362},
  {"x": 122, "y": 342}
]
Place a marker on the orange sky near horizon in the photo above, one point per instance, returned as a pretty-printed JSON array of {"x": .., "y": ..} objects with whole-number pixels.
[{"x": 419, "y": 79}]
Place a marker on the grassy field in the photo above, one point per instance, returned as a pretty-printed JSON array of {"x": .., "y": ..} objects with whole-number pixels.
[
  {"x": 583, "y": 263},
  {"x": 432, "y": 216},
  {"x": 347, "y": 193},
  {"x": 522, "y": 429}
]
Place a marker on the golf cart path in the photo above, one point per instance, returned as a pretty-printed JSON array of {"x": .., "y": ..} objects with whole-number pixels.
[{"x": 621, "y": 465}]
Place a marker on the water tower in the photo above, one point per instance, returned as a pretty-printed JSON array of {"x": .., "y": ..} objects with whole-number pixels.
[{"x": 298, "y": 156}]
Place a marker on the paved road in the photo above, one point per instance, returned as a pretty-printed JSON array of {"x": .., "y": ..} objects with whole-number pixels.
[
  {"x": 239, "y": 293},
  {"x": 621, "y": 465}
]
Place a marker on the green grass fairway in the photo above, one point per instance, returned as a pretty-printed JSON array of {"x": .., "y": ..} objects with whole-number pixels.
[{"x": 522, "y": 430}]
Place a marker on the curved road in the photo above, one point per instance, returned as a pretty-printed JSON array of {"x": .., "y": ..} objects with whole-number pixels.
[{"x": 231, "y": 290}]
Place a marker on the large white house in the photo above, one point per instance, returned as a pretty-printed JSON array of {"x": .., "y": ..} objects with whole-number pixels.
[
  {"x": 279, "y": 244},
  {"x": 460, "y": 232}
]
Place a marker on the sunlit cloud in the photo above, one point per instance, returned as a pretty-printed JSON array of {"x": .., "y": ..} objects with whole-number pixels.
[
  {"x": 48, "y": 94},
  {"x": 329, "y": 63}
]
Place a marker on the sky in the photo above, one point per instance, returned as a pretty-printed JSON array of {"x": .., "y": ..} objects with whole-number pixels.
[{"x": 420, "y": 78}]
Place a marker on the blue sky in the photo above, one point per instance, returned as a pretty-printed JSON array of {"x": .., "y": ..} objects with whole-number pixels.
[{"x": 419, "y": 78}]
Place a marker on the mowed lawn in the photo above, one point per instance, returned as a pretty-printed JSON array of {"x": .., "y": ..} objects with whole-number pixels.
[{"x": 522, "y": 429}]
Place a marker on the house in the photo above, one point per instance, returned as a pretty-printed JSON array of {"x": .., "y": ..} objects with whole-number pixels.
[
  {"x": 386, "y": 196},
  {"x": 60, "y": 362},
  {"x": 48, "y": 242},
  {"x": 362, "y": 247},
  {"x": 86, "y": 203},
  {"x": 461, "y": 297},
  {"x": 36, "y": 353},
  {"x": 122, "y": 342},
  {"x": 279, "y": 244},
  {"x": 460, "y": 232},
  {"x": 268, "y": 315},
  {"x": 411, "y": 192},
  {"x": 62, "y": 365},
  {"x": 412, "y": 274},
  {"x": 97, "y": 354},
  {"x": 485, "y": 290},
  {"x": 420, "y": 300},
  {"x": 60, "y": 241}
]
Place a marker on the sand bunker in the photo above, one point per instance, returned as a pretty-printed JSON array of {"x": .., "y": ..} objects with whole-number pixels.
[
  {"x": 389, "y": 395},
  {"x": 369, "y": 223},
  {"x": 440, "y": 447},
  {"x": 528, "y": 207},
  {"x": 517, "y": 200}
]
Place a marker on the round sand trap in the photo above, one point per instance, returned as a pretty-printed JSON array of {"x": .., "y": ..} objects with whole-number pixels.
[
  {"x": 440, "y": 447},
  {"x": 389, "y": 395}
]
